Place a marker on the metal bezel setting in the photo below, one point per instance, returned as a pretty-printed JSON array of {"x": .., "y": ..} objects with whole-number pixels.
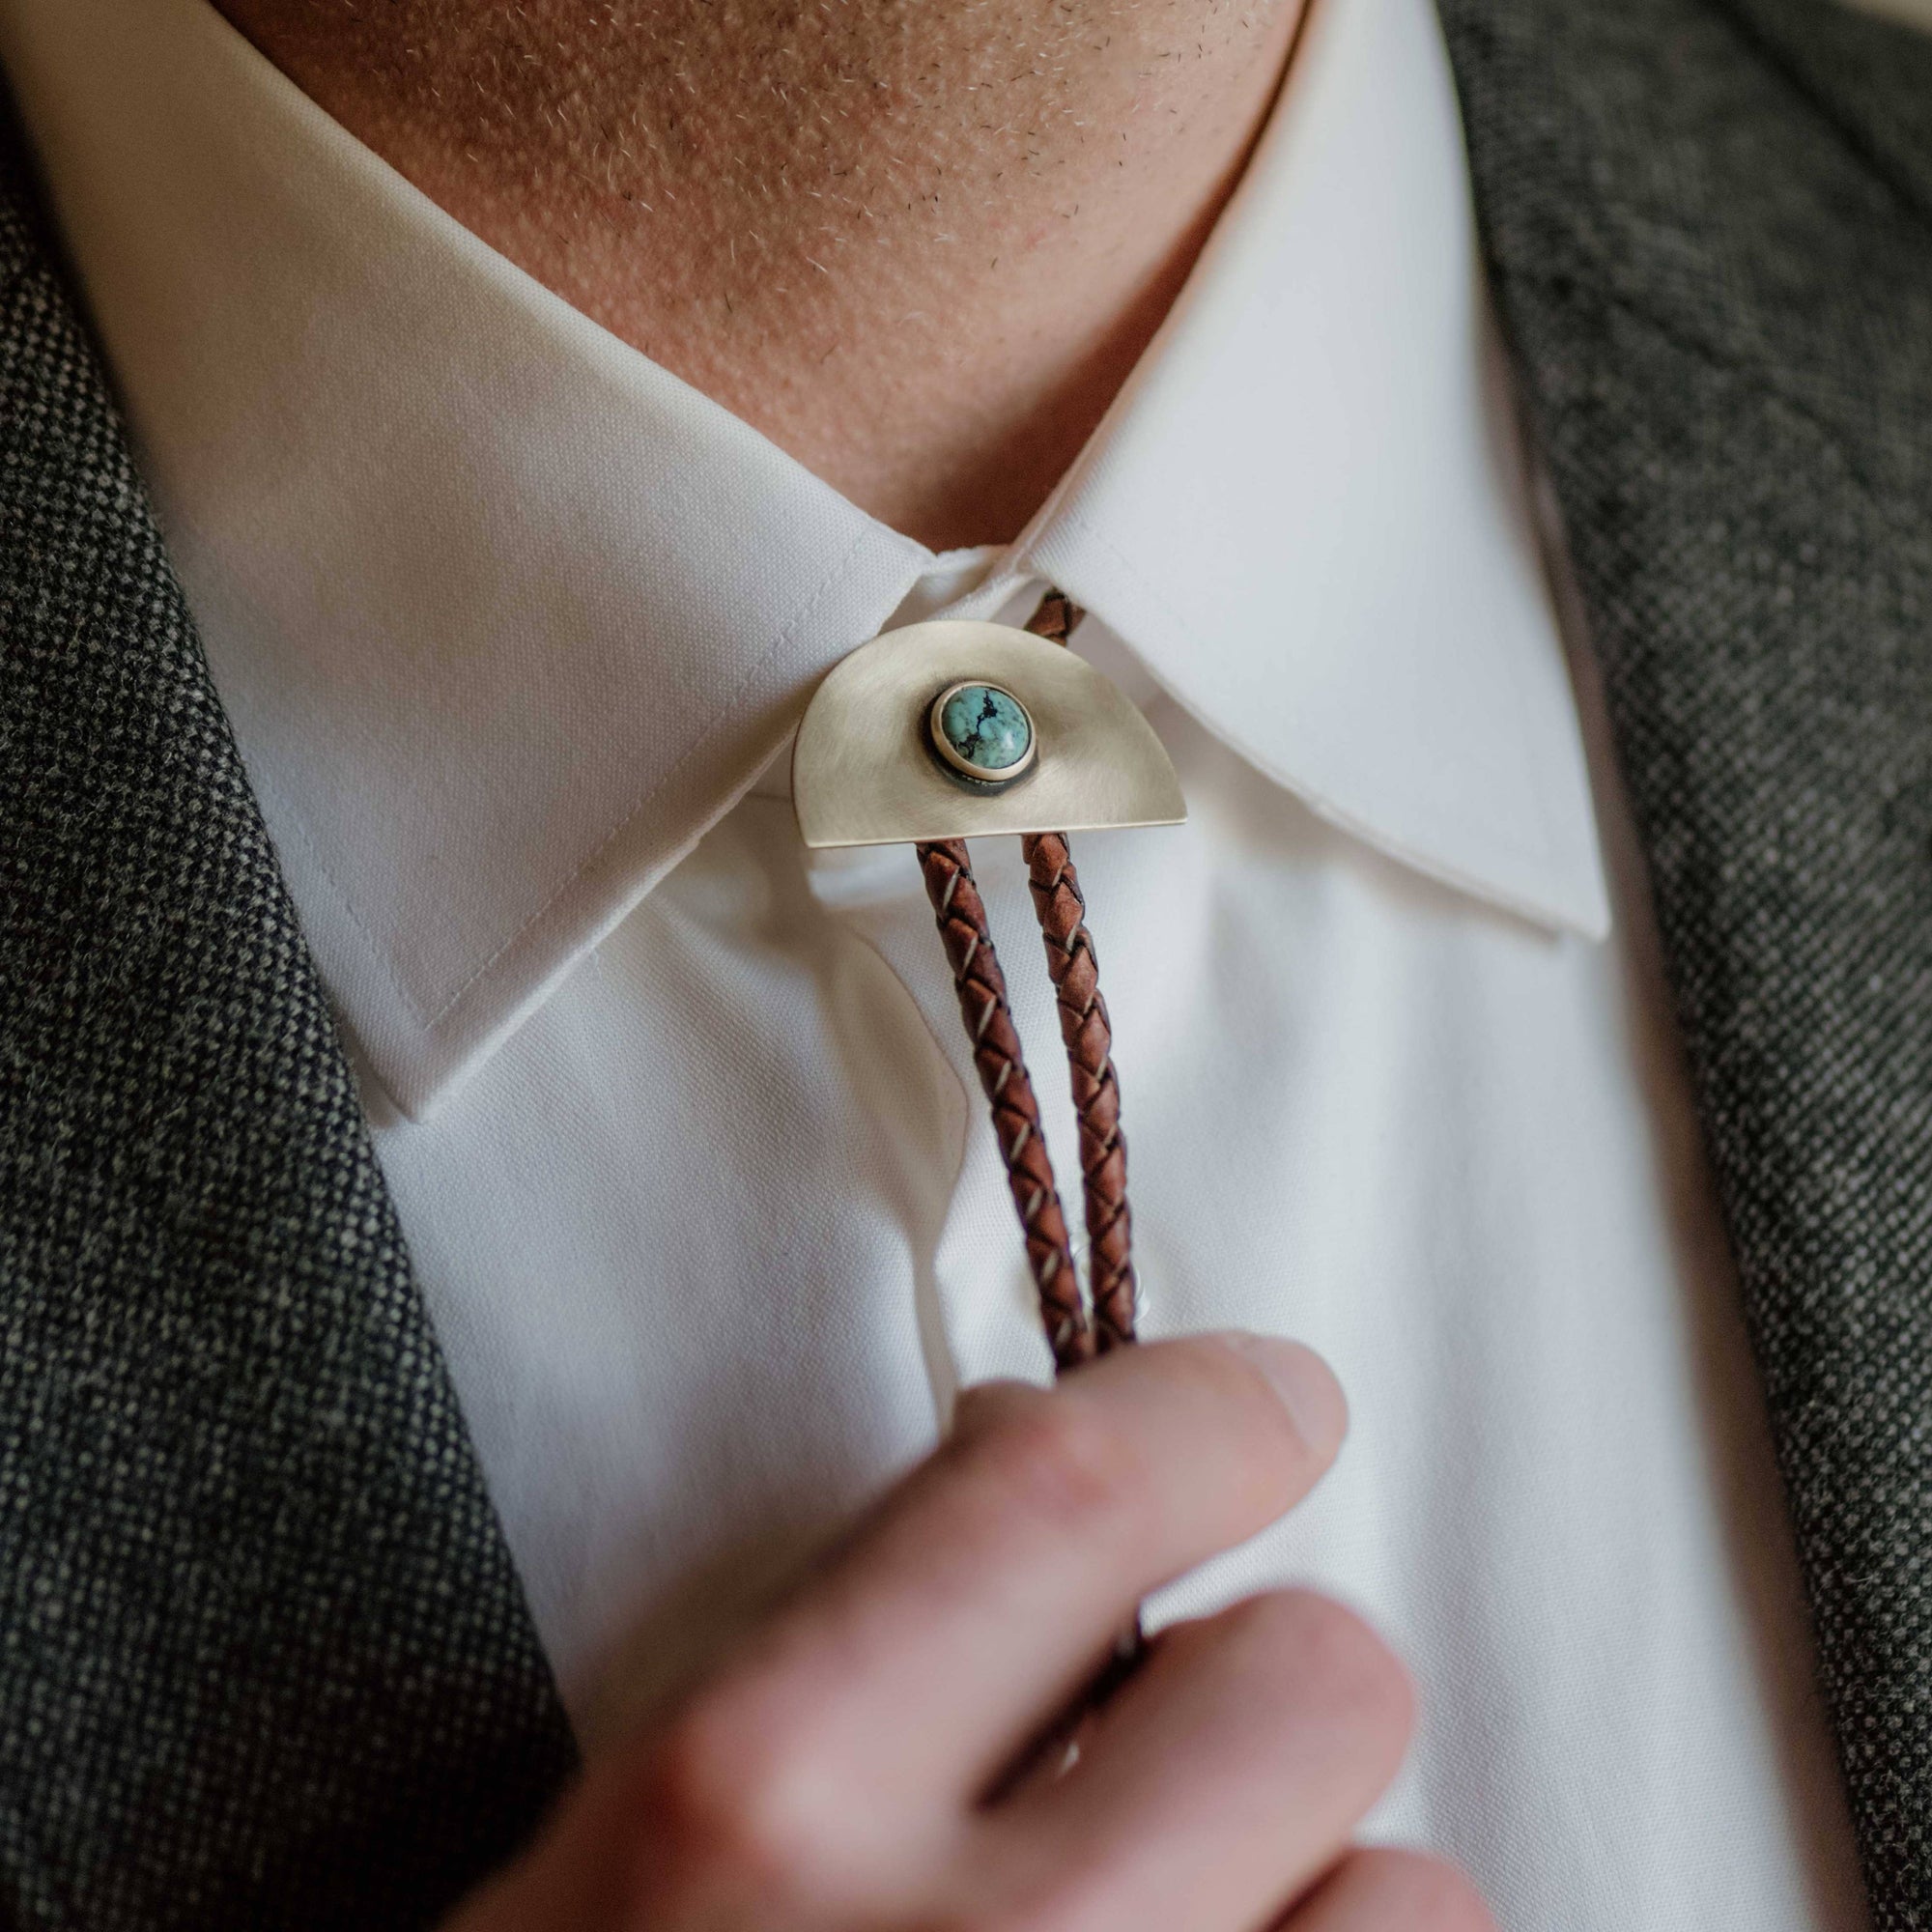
[{"x": 981, "y": 777}]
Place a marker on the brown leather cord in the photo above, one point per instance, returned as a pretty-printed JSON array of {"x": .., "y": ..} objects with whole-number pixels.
[
  {"x": 1075, "y": 1335},
  {"x": 981, "y": 988},
  {"x": 1055, "y": 617},
  {"x": 1088, "y": 1037},
  {"x": 1077, "y": 1326},
  {"x": 1088, "y": 1034}
]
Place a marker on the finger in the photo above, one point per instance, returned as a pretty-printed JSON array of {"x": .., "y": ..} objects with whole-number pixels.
[
  {"x": 980, "y": 1593},
  {"x": 1392, "y": 1892},
  {"x": 1226, "y": 1776}
]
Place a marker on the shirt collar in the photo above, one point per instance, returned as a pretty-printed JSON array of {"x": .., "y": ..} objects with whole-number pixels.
[{"x": 506, "y": 616}]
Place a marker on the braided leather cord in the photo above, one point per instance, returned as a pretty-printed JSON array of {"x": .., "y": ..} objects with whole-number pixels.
[
  {"x": 1075, "y": 1334},
  {"x": 1055, "y": 617},
  {"x": 981, "y": 988},
  {"x": 1088, "y": 1035}
]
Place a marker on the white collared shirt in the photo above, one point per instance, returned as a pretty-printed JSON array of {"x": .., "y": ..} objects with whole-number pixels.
[{"x": 513, "y": 627}]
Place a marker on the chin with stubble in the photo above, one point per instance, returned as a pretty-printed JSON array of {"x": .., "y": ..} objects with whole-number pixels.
[{"x": 920, "y": 245}]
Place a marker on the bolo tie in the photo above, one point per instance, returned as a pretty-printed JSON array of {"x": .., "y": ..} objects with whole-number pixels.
[{"x": 937, "y": 732}]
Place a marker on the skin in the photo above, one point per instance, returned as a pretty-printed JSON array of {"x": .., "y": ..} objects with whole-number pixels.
[
  {"x": 918, "y": 244},
  {"x": 852, "y": 1765}
]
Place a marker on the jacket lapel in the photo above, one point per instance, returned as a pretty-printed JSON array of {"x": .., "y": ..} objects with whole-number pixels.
[
  {"x": 1707, "y": 226},
  {"x": 263, "y": 1660}
]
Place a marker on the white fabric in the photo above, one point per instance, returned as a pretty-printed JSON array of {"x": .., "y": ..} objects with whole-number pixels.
[
  {"x": 685, "y": 1139},
  {"x": 559, "y": 734}
]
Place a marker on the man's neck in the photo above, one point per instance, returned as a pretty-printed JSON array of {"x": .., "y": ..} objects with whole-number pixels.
[{"x": 919, "y": 244}]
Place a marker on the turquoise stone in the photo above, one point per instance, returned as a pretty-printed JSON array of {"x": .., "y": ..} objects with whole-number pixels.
[{"x": 985, "y": 726}]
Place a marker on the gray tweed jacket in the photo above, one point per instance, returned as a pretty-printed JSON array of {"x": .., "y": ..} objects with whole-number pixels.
[{"x": 263, "y": 1660}]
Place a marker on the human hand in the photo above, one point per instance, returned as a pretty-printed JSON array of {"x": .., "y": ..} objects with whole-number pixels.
[{"x": 849, "y": 1770}]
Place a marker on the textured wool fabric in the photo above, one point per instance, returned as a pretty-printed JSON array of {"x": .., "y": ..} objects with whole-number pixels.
[
  {"x": 263, "y": 1658},
  {"x": 1711, "y": 230}
]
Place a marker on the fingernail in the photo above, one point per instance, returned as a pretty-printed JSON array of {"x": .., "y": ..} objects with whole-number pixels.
[{"x": 1306, "y": 1385}]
